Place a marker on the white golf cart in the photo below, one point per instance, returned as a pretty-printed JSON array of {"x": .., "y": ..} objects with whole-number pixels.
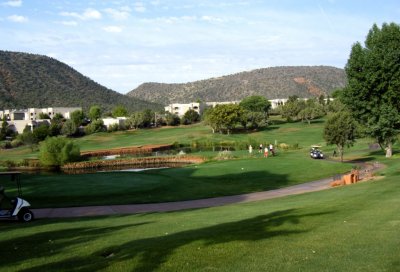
[
  {"x": 315, "y": 152},
  {"x": 14, "y": 207}
]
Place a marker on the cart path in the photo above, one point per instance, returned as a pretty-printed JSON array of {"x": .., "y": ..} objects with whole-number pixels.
[{"x": 194, "y": 204}]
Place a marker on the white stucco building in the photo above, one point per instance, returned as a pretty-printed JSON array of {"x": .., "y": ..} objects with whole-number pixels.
[
  {"x": 181, "y": 109},
  {"x": 19, "y": 119},
  {"x": 120, "y": 121}
]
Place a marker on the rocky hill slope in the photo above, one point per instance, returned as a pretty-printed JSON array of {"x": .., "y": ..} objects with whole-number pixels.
[
  {"x": 28, "y": 80},
  {"x": 276, "y": 82}
]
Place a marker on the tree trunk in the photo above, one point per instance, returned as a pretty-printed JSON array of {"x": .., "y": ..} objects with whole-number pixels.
[
  {"x": 389, "y": 150},
  {"x": 341, "y": 153}
]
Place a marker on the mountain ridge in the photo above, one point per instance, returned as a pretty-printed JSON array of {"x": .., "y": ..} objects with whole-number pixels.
[
  {"x": 272, "y": 82},
  {"x": 32, "y": 80}
]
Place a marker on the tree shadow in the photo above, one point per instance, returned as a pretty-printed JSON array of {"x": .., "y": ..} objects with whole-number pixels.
[
  {"x": 46, "y": 243},
  {"x": 153, "y": 186},
  {"x": 150, "y": 253},
  {"x": 223, "y": 184}
]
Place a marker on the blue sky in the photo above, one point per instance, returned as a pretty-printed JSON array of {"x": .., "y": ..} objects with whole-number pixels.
[{"x": 121, "y": 44}]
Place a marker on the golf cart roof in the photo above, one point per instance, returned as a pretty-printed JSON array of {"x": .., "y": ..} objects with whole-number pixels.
[{"x": 316, "y": 146}]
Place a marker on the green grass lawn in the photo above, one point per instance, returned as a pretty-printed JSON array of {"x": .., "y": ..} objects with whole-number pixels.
[
  {"x": 291, "y": 133},
  {"x": 211, "y": 179},
  {"x": 351, "y": 228}
]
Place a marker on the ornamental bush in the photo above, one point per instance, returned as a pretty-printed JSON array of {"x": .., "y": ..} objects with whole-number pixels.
[{"x": 56, "y": 151}]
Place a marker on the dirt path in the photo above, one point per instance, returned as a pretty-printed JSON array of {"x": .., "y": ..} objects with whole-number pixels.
[{"x": 194, "y": 204}]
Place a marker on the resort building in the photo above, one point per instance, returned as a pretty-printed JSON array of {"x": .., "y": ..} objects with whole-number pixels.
[
  {"x": 19, "y": 119},
  {"x": 120, "y": 121},
  {"x": 181, "y": 109}
]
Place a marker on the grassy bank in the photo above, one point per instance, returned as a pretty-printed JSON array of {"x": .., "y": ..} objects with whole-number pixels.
[
  {"x": 351, "y": 228},
  {"x": 294, "y": 134},
  {"x": 215, "y": 178}
]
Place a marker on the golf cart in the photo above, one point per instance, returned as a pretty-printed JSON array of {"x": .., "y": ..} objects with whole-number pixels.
[
  {"x": 14, "y": 207},
  {"x": 316, "y": 153}
]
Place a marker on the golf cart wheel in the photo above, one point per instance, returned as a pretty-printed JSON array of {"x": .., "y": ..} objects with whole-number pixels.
[{"x": 25, "y": 215}]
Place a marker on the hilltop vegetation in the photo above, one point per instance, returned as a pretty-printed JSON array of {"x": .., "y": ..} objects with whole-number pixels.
[
  {"x": 28, "y": 80},
  {"x": 276, "y": 82}
]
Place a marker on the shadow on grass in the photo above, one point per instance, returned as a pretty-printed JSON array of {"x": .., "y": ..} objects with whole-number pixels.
[
  {"x": 153, "y": 186},
  {"x": 149, "y": 254},
  {"x": 47, "y": 243},
  {"x": 369, "y": 156}
]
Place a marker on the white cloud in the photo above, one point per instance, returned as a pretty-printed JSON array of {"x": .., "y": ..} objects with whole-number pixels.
[
  {"x": 139, "y": 7},
  {"x": 119, "y": 14},
  {"x": 70, "y": 14},
  {"x": 17, "y": 19},
  {"x": 13, "y": 3},
  {"x": 91, "y": 14},
  {"x": 112, "y": 29},
  {"x": 69, "y": 23},
  {"x": 212, "y": 19},
  {"x": 88, "y": 14}
]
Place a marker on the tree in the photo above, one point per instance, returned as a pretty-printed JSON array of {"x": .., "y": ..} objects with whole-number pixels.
[
  {"x": 3, "y": 131},
  {"x": 136, "y": 120},
  {"x": 321, "y": 99},
  {"x": 335, "y": 106},
  {"x": 311, "y": 111},
  {"x": 94, "y": 112},
  {"x": 148, "y": 117},
  {"x": 292, "y": 108},
  {"x": 58, "y": 117},
  {"x": 77, "y": 117},
  {"x": 224, "y": 117},
  {"x": 56, "y": 151},
  {"x": 95, "y": 126},
  {"x": 43, "y": 115},
  {"x": 256, "y": 103},
  {"x": 41, "y": 132},
  {"x": 69, "y": 128},
  {"x": 256, "y": 109},
  {"x": 119, "y": 111},
  {"x": 27, "y": 138},
  {"x": 190, "y": 117},
  {"x": 341, "y": 129},
  {"x": 253, "y": 120},
  {"x": 384, "y": 128},
  {"x": 55, "y": 128},
  {"x": 373, "y": 89},
  {"x": 172, "y": 119}
]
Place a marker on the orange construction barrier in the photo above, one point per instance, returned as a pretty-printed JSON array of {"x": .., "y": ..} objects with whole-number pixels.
[{"x": 353, "y": 177}]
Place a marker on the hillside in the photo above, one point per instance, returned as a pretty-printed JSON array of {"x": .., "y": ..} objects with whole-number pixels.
[
  {"x": 28, "y": 80},
  {"x": 276, "y": 82}
]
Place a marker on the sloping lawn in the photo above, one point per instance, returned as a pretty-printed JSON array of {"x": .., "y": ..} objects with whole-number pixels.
[
  {"x": 352, "y": 228},
  {"x": 299, "y": 134},
  {"x": 218, "y": 178}
]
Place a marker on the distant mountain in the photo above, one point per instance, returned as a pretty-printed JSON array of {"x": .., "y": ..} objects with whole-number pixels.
[
  {"x": 28, "y": 80},
  {"x": 276, "y": 82}
]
